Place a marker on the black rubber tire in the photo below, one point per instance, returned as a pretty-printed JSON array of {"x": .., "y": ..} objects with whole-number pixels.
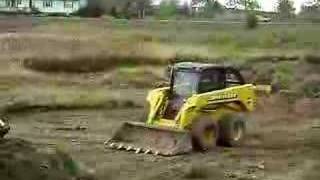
[
  {"x": 232, "y": 130},
  {"x": 4, "y": 131},
  {"x": 2, "y": 135},
  {"x": 199, "y": 128}
]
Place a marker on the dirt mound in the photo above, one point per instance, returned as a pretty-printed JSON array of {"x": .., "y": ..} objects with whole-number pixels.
[
  {"x": 19, "y": 160},
  {"x": 86, "y": 63}
]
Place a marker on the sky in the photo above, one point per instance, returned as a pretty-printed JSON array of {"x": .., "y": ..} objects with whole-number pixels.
[
  {"x": 270, "y": 5},
  {"x": 266, "y": 5}
]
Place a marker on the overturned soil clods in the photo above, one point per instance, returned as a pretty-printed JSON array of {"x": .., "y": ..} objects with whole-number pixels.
[
  {"x": 313, "y": 59},
  {"x": 86, "y": 64},
  {"x": 20, "y": 160}
]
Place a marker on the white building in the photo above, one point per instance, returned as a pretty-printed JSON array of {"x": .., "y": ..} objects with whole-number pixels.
[
  {"x": 179, "y": 2},
  {"x": 44, "y": 6},
  {"x": 10, "y": 5}
]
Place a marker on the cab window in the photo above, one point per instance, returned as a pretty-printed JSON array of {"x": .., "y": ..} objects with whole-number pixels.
[
  {"x": 210, "y": 81},
  {"x": 233, "y": 79}
]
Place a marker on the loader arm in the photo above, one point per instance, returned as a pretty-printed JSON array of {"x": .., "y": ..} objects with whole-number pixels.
[
  {"x": 264, "y": 89},
  {"x": 157, "y": 100}
]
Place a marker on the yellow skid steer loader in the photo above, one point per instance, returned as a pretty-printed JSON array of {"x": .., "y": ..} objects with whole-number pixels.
[{"x": 204, "y": 105}]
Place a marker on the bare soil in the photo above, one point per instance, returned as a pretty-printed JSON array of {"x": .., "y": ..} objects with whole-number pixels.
[
  {"x": 13, "y": 24},
  {"x": 276, "y": 146}
]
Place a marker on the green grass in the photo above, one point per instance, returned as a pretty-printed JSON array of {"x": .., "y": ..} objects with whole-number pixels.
[
  {"x": 55, "y": 40},
  {"x": 284, "y": 74},
  {"x": 232, "y": 41}
]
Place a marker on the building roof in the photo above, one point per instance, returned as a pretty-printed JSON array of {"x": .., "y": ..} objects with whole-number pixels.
[{"x": 198, "y": 66}]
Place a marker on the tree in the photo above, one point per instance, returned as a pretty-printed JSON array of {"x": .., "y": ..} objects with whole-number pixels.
[
  {"x": 286, "y": 9},
  {"x": 217, "y": 7},
  {"x": 212, "y": 7},
  {"x": 310, "y": 11},
  {"x": 114, "y": 12},
  {"x": 126, "y": 11},
  {"x": 252, "y": 21},
  {"x": 125, "y": 8},
  {"x": 250, "y": 7},
  {"x": 310, "y": 6},
  {"x": 140, "y": 7},
  {"x": 167, "y": 9},
  {"x": 247, "y": 4},
  {"x": 186, "y": 9},
  {"x": 128, "y": 8},
  {"x": 94, "y": 8}
]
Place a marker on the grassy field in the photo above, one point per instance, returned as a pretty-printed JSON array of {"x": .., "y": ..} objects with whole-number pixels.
[
  {"x": 100, "y": 46},
  {"x": 121, "y": 39}
]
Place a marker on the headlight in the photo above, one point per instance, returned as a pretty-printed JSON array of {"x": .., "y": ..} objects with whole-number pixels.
[{"x": 2, "y": 123}]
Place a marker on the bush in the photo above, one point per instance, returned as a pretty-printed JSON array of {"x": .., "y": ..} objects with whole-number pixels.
[
  {"x": 94, "y": 8},
  {"x": 114, "y": 12},
  {"x": 252, "y": 21},
  {"x": 284, "y": 75},
  {"x": 310, "y": 13},
  {"x": 312, "y": 59},
  {"x": 311, "y": 89}
]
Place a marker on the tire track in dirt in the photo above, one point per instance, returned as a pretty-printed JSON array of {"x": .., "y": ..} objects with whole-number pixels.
[{"x": 276, "y": 154}]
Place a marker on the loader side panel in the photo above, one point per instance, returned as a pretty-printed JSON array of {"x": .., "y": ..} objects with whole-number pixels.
[
  {"x": 244, "y": 95},
  {"x": 217, "y": 103}
]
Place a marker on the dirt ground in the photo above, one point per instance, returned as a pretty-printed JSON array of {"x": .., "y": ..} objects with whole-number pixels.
[
  {"x": 16, "y": 24},
  {"x": 282, "y": 138},
  {"x": 274, "y": 149}
]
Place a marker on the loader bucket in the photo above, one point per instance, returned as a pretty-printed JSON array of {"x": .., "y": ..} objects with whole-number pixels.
[{"x": 142, "y": 138}]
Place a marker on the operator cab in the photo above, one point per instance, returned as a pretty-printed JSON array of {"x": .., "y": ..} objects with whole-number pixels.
[
  {"x": 196, "y": 78},
  {"x": 190, "y": 78}
]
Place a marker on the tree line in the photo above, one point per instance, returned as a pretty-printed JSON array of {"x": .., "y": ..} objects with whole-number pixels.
[{"x": 170, "y": 8}]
